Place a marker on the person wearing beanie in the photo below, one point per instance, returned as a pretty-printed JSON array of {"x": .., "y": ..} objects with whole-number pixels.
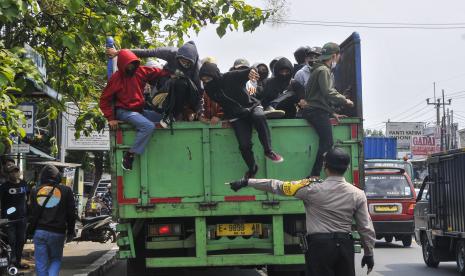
[
  {"x": 242, "y": 110},
  {"x": 53, "y": 220},
  {"x": 320, "y": 97},
  {"x": 330, "y": 207}
]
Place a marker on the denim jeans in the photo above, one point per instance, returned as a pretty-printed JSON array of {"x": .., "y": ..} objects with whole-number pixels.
[
  {"x": 144, "y": 123},
  {"x": 16, "y": 238},
  {"x": 48, "y": 252}
]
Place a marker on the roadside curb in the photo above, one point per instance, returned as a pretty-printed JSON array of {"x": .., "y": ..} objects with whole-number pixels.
[{"x": 101, "y": 265}]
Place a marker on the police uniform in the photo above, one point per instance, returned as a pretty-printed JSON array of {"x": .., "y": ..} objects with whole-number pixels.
[{"x": 330, "y": 208}]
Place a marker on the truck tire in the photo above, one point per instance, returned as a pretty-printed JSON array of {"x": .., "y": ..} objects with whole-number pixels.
[
  {"x": 428, "y": 253},
  {"x": 407, "y": 241},
  {"x": 461, "y": 257},
  {"x": 388, "y": 238},
  {"x": 136, "y": 266}
]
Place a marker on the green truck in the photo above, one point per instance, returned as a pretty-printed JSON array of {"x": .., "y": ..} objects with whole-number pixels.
[{"x": 175, "y": 211}]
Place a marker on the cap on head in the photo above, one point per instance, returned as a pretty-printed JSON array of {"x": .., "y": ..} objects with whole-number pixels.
[
  {"x": 11, "y": 168},
  {"x": 337, "y": 159},
  {"x": 241, "y": 62},
  {"x": 328, "y": 50}
]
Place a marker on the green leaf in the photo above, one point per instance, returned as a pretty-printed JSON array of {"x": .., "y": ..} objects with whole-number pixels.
[
  {"x": 74, "y": 5},
  {"x": 69, "y": 42},
  {"x": 22, "y": 132},
  {"x": 221, "y": 30}
]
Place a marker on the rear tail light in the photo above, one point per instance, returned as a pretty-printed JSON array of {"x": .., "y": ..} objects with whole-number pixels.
[
  {"x": 411, "y": 209},
  {"x": 157, "y": 230}
]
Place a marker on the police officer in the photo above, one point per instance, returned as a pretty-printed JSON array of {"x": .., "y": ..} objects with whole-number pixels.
[{"x": 330, "y": 207}]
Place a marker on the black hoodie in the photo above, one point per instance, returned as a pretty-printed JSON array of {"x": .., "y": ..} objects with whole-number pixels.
[
  {"x": 59, "y": 214},
  {"x": 228, "y": 90},
  {"x": 275, "y": 85}
]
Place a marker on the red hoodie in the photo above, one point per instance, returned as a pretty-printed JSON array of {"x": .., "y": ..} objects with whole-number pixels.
[{"x": 127, "y": 91}]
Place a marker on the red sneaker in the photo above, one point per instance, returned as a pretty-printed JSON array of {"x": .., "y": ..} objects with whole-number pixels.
[{"x": 273, "y": 156}]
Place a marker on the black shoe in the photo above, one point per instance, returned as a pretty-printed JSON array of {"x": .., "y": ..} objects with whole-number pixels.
[
  {"x": 251, "y": 173},
  {"x": 128, "y": 158}
]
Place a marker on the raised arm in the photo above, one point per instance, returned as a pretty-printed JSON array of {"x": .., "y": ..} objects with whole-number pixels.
[
  {"x": 284, "y": 188},
  {"x": 165, "y": 53}
]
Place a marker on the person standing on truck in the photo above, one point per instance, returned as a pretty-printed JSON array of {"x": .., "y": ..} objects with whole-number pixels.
[
  {"x": 14, "y": 193},
  {"x": 53, "y": 222},
  {"x": 330, "y": 208},
  {"x": 300, "y": 56},
  {"x": 320, "y": 96},
  {"x": 124, "y": 90},
  {"x": 241, "y": 109},
  {"x": 184, "y": 99},
  {"x": 303, "y": 75}
]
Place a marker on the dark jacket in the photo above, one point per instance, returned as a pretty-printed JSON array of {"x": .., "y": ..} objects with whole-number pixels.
[
  {"x": 171, "y": 55},
  {"x": 320, "y": 92},
  {"x": 228, "y": 90},
  {"x": 58, "y": 216},
  {"x": 14, "y": 195},
  {"x": 127, "y": 91},
  {"x": 275, "y": 85}
]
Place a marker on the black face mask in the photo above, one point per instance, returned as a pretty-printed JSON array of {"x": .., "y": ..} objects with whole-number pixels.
[
  {"x": 284, "y": 78},
  {"x": 213, "y": 86},
  {"x": 130, "y": 72},
  {"x": 263, "y": 74}
]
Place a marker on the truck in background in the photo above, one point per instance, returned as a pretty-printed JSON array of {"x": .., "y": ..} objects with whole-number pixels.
[
  {"x": 440, "y": 216},
  {"x": 175, "y": 211}
]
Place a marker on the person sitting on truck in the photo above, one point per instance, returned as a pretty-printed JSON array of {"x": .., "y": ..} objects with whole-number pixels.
[
  {"x": 125, "y": 90},
  {"x": 330, "y": 207},
  {"x": 278, "y": 93},
  {"x": 320, "y": 96},
  {"x": 241, "y": 109},
  {"x": 184, "y": 99},
  {"x": 303, "y": 75}
]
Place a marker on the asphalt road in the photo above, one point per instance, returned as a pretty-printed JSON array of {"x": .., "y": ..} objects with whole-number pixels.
[{"x": 390, "y": 260}]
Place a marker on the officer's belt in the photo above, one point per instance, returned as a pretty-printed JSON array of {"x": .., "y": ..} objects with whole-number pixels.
[{"x": 331, "y": 236}]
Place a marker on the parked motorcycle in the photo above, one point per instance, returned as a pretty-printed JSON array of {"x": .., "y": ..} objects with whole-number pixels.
[
  {"x": 96, "y": 229},
  {"x": 6, "y": 267}
]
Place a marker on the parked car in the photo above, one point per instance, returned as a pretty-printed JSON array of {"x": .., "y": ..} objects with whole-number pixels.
[{"x": 391, "y": 202}]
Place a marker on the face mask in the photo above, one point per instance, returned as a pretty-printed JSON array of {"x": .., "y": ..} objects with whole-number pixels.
[
  {"x": 263, "y": 74},
  {"x": 284, "y": 78},
  {"x": 185, "y": 64},
  {"x": 212, "y": 86},
  {"x": 130, "y": 70},
  {"x": 333, "y": 64}
]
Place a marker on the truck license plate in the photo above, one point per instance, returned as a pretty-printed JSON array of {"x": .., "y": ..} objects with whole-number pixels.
[
  {"x": 386, "y": 208},
  {"x": 238, "y": 229},
  {"x": 3, "y": 262}
]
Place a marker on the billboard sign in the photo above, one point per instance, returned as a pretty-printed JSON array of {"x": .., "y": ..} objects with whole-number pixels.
[
  {"x": 95, "y": 141},
  {"x": 404, "y": 131},
  {"x": 424, "y": 145},
  {"x": 28, "y": 111}
]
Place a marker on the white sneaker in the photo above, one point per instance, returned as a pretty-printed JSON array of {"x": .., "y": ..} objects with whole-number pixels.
[
  {"x": 271, "y": 113},
  {"x": 165, "y": 123}
]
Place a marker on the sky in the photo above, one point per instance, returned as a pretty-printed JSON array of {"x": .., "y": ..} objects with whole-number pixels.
[{"x": 399, "y": 66}]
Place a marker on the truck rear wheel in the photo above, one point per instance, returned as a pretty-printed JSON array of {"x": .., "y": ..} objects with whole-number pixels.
[
  {"x": 388, "y": 238},
  {"x": 461, "y": 257},
  {"x": 428, "y": 253}
]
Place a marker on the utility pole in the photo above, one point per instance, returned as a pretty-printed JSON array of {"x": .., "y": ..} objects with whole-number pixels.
[{"x": 438, "y": 102}]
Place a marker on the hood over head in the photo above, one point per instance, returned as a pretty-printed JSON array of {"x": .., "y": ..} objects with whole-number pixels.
[
  {"x": 125, "y": 57},
  {"x": 282, "y": 63},
  {"x": 50, "y": 175},
  {"x": 211, "y": 70},
  {"x": 262, "y": 73},
  {"x": 189, "y": 52}
]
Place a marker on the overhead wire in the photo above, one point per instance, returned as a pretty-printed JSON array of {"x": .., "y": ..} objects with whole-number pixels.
[{"x": 358, "y": 25}]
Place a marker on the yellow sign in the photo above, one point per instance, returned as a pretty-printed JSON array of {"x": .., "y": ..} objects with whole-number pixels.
[
  {"x": 386, "y": 208},
  {"x": 238, "y": 229}
]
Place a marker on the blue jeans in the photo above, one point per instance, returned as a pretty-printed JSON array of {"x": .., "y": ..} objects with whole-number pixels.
[
  {"x": 48, "y": 252},
  {"x": 144, "y": 123}
]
